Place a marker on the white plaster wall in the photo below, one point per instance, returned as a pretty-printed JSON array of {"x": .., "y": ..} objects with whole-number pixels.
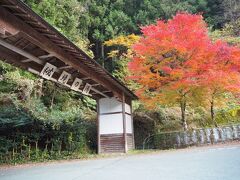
[
  {"x": 108, "y": 105},
  {"x": 127, "y": 108},
  {"x": 111, "y": 123},
  {"x": 128, "y": 124}
]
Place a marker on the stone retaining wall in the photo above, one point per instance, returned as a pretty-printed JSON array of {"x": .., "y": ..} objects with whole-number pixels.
[{"x": 196, "y": 137}]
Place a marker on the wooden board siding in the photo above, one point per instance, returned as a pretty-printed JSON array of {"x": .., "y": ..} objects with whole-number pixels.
[
  {"x": 130, "y": 141},
  {"x": 112, "y": 143}
]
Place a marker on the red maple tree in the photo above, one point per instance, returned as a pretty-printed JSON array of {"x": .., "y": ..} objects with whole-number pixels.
[
  {"x": 176, "y": 57},
  {"x": 219, "y": 74}
]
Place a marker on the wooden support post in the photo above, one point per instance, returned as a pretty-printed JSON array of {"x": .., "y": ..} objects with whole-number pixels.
[
  {"x": 133, "y": 141},
  {"x": 98, "y": 128},
  {"x": 124, "y": 123}
]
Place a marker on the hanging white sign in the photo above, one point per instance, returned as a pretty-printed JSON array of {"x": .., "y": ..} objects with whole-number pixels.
[
  {"x": 64, "y": 77},
  {"x": 87, "y": 89},
  {"x": 48, "y": 71},
  {"x": 76, "y": 84}
]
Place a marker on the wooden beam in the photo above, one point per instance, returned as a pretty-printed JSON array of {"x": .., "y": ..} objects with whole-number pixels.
[
  {"x": 33, "y": 22},
  {"x": 86, "y": 78},
  {"x": 30, "y": 21},
  {"x": 20, "y": 51},
  {"x": 12, "y": 22},
  {"x": 104, "y": 92},
  {"x": 26, "y": 45},
  {"x": 12, "y": 58},
  {"x": 49, "y": 35},
  {"x": 99, "y": 92},
  {"x": 64, "y": 67},
  {"x": 16, "y": 43},
  {"x": 58, "y": 41},
  {"x": 40, "y": 57},
  {"x": 94, "y": 85},
  {"x": 10, "y": 6},
  {"x": 21, "y": 14},
  {"x": 24, "y": 53}
]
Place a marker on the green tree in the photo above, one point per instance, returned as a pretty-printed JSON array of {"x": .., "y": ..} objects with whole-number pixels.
[
  {"x": 107, "y": 20},
  {"x": 229, "y": 33},
  {"x": 120, "y": 53},
  {"x": 66, "y": 17}
]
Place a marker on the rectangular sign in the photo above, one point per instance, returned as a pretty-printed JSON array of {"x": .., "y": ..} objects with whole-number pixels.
[
  {"x": 48, "y": 70},
  {"x": 64, "y": 77},
  {"x": 76, "y": 84},
  {"x": 87, "y": 89}
]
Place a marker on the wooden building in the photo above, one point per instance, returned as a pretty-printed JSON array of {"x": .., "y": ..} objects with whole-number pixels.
[{"x": 29, "y": 42}]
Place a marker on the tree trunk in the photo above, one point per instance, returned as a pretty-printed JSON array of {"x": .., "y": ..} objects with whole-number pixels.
[
  {"x": 60, "y": 148},
  {"x": 213, "y": 113},
  {"x": 29, "y": 151},
  {"x": 38, "y": 88},
  {"x": 97, "y": 50},
  {"x": 102, "y": 55},
  {"x": 53, "y": 97},
  {"x": 102, "y": 51},
  {"x": 13, "y": 153},
  {"x": 36, "y": 148},
  {"x": 183, "y": 112}
]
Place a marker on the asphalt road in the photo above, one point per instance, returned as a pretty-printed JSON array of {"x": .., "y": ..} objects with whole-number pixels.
[{"x": 221, "y": 163}]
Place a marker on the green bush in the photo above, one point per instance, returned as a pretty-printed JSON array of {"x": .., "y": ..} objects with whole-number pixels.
[{"x": 40, "y": 120}]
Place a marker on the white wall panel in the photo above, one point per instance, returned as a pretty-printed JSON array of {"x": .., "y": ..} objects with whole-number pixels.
[
  {"x": 128, "y": 124},
  {"x": 127, "y": 108},
  {"x": 108, "y": 105},
  {"x": 110, "y": 124}
]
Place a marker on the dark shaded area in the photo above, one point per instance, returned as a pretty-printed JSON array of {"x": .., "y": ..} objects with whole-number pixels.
[{"x": 25, "y": 138}]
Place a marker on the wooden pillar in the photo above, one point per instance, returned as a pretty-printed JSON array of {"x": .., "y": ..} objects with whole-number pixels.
[
  {"x": 124, "y": 123},
  {"x": 133, "y": 141},
  {"x": 98, "y": 129}
]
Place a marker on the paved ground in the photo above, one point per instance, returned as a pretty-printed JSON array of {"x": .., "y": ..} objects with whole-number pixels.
[{"x": 217, "y": 163}]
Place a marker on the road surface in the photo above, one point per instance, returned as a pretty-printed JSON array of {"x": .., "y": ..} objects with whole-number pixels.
[{"x": 215, "y": 163}]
